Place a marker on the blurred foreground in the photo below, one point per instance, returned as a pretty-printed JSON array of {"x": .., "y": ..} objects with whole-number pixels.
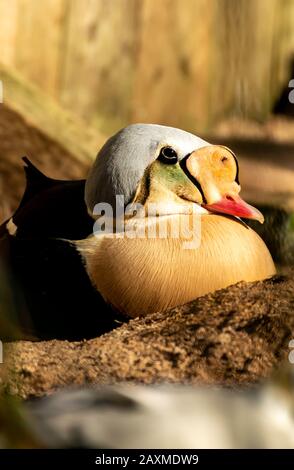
[{"x": 165, "y": 417}]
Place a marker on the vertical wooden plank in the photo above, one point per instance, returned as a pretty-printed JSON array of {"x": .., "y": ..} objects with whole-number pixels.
[
  {"x": 39, "y": 38},
  {"x": 8, "y": 15},
  {"x": 172, "y": 76},
  {"x": 242, "y": 57},
  {"x": 99, "y": 60},
  {"x": 256, "y": 52},
  {"x": 252, "y": 56}
]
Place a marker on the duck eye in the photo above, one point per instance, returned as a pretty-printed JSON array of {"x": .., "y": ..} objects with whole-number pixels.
[
  {"x": 224, "y": 159},
  {"x": 168, "y": 155}
]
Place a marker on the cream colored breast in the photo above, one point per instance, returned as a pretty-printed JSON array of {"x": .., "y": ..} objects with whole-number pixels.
[{"x": 139, "y": 276}]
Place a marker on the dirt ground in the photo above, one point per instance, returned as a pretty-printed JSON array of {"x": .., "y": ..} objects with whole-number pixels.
[{"x": 235, "y": 336}]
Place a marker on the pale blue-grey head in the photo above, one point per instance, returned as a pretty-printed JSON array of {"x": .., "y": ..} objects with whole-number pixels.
[{"x": 123, "y": 159}]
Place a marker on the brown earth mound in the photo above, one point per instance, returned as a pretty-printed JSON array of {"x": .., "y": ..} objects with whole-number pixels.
[{"x": 235, "y": 336}]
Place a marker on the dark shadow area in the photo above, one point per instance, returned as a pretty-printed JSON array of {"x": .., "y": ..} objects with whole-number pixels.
[{"x": 283, "y": 105}]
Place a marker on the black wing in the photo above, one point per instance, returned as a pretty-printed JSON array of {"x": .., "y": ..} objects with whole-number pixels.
[{"x": 52, "y": 208}]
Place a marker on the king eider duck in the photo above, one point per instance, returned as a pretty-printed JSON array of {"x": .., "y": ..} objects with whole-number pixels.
[{"x": 157, "y": 223}]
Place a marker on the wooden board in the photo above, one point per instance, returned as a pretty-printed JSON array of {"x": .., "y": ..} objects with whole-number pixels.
[
  {"x": 41, "y": 111},
  {"x": 187, "y": 63}
]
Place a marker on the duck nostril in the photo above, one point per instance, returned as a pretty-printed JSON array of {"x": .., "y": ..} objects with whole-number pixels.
[{"x": 229, "y": 198}]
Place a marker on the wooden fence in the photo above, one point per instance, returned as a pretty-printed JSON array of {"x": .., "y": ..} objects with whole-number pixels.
[{"x": 180, "y": 62}]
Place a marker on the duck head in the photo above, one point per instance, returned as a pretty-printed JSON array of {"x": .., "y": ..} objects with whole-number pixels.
[{"x": 177, "y": 171}]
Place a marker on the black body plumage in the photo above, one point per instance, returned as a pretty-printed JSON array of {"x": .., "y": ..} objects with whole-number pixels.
[{"x": 53, "y": 295}]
